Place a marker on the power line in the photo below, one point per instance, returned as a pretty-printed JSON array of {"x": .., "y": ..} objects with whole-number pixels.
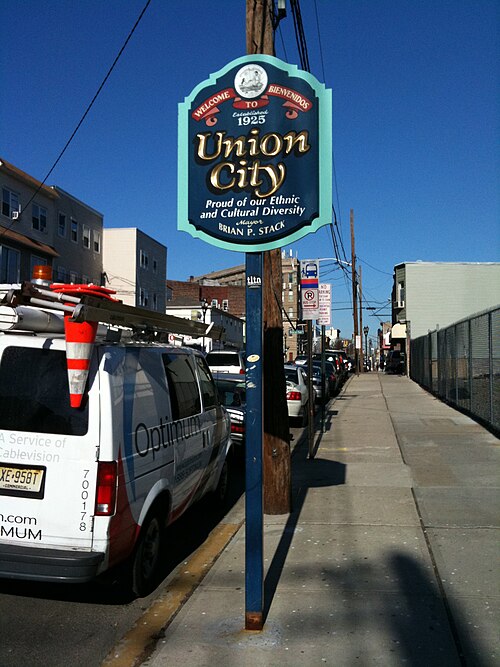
[
  {"x": 299, "y": 35},
  {"x": 375, "y": 268},
  {"x": 87, "y": 110}
]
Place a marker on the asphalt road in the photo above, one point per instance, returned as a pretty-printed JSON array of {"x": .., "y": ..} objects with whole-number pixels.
[{"x": 50, "y": 625}]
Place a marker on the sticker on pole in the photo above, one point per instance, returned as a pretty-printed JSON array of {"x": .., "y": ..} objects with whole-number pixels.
[{"x": 255, "y": 147}]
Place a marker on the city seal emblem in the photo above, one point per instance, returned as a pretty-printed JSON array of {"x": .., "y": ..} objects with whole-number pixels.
[{"x": 250, "y": 81}]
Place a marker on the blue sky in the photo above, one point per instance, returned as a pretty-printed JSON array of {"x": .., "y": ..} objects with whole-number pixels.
[{"x": 415, "y": 120}]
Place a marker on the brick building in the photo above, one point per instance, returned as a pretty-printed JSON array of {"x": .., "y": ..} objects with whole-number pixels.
[{"x": 225, "y": 289}]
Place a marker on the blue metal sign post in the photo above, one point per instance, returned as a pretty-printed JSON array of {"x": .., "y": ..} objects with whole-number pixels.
[
  {"x": 254, "y": 174},
  {"x": 254, "y": 575}
]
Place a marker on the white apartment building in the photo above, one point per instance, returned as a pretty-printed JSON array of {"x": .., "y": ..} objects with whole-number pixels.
[{"x": 135, "y": 266}]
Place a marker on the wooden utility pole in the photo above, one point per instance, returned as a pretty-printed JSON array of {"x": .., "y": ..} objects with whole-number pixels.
[
  {"x": 354, "y": 294},
  {"x": 360, "y": 292},
  {"x": 276, "y": 454}
]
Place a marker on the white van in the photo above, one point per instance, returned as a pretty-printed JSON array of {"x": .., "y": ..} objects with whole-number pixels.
[
  {"x": 226, "y": 361},
  {"x": 83, "y": 489}
]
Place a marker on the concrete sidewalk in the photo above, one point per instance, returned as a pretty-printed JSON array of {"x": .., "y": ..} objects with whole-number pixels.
[{"x": 389, "y": 556}]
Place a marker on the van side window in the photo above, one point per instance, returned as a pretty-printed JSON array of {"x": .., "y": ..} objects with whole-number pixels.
[
  {"x": 34, "y": 394},
  {"x": 182, "y": 384},
  {"x": 208, "y": 390}
]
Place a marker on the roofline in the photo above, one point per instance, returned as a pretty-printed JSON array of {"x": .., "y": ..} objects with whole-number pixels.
[
  {"x": 425, "y": 263},
  {"x": 138, "y": 230},
  {"x": 58, "y": 189},
  {"x": 25, "y": 178},
  {"x": 225, "y": 272}
]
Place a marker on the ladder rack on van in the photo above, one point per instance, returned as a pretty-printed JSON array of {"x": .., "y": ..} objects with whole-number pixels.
[{"x": 27, "y": 305}]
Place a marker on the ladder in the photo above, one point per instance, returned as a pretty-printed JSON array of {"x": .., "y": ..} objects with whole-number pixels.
[{"x": 31, "y": 307}]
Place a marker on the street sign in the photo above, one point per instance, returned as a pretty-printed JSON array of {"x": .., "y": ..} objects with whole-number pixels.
[
  {"x": 309, "y": 273},
  {"x": 255, "y": 156},
  {"x": 325, "y": 304},
  {"x": 310, "y": 303},
  {"x": 309, "y": 288}
]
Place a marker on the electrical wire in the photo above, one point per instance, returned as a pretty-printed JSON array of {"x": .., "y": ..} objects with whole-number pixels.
[
  {"x": 87, "y": 110},
  {"x": 299, "y": 35},
  {"x": 375, "y": 268}
]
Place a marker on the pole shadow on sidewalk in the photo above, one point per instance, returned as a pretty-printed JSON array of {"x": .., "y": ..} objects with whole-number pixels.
[{"x": 312, "y": 473}]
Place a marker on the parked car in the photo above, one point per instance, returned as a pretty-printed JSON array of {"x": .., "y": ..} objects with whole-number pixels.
[
  {"x": 335, "y": 357},
  {"x": 331, "y": 376},
  {"x": 297, "y": 394},
  {"x": 226, "y": 361},
  {"x": 232, "y": 395},
  {"x": 318, "y": 384},
  {"x": 301, "y": 360},
  {"x": 395, "y": 362}
]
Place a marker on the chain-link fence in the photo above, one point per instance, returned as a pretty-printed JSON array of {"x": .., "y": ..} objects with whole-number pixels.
[{"x": 461, "y": 364}]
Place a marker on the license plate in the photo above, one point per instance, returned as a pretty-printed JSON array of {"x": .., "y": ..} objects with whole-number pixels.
[{"x": 20, "y": 480}]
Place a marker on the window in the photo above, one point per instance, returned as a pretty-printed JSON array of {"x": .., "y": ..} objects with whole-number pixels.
[
  {"x": 39, "y": 217},
  {"x": 10, "y": 202},
  {"x": 86, "y": 280},
  {"x": 61, "y": 275},
  {"x": 207, "y": 385},
  {"x": 97, "y": 241},
  {"x": 143, "y": 297},
  {"x": 290, "y": 295},
  {"x": 73, "y": 277},
  {"x": 184, "y": 394},
  {"x": 225, "y": 304},
  {"x": 74, "y": 230},
  {"x": 215, "y": 303},
  {"x": 61, "y": 224},
  {"x": 143, "y": 259},
  {"x": 9, "y": 264},
  {"x": 34, "y": 393},
  {"x": 155, "y": 266},
  {"x": 155, "y": 302},
  {"x": 86, "y": 236}
]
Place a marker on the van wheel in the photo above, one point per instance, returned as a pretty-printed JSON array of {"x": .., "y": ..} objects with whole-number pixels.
[
  {"x": 221, "y": 493},
  {"x": 147, "y": 557}
]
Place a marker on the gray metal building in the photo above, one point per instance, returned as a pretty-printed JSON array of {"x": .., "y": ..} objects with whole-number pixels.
[{"x": 432, "y": 295}]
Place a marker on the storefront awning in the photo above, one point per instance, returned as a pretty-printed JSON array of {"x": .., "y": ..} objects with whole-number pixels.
[
  {"x": 398, "y": 331},
  {"x": 20, "y": 239}
]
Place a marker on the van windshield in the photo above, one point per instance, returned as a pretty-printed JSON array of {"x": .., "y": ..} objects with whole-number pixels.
[{"x": 34, "y": 394}]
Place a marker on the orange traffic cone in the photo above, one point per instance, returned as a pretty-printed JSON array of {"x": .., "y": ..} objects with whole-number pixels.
[{"x": 80, "y": 337}]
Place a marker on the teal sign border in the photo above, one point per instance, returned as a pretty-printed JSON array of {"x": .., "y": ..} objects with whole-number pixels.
[{"x": 324, "y": 97}]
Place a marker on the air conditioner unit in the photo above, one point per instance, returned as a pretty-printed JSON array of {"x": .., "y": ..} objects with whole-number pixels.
[{"x": 400, "y": 304}]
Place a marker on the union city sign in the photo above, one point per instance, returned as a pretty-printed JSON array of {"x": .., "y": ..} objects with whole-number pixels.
[{"x": 255, "y": 156}]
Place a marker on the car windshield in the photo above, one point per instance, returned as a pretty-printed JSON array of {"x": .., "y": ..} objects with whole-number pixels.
[
  {"x": 232, "y": 394},
  {"x": 292, "y": 375}
]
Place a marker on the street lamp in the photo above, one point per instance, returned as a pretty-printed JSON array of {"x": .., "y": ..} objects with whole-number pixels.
[{"x": 365, "y": 331}]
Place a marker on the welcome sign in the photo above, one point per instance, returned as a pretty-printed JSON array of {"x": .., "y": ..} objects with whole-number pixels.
[{"x": 255, "y": 156}]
